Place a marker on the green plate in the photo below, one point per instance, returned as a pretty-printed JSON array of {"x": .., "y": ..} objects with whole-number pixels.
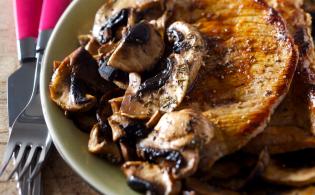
[{"x": 71, "y": 142}]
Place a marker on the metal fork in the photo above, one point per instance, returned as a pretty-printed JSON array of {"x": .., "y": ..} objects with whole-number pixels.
[
  {"x": 29, "y": 139},
  {"x": 29, "y": 136}
]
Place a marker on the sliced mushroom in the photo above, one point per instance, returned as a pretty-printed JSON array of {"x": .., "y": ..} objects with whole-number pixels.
[
  {"x": 128, "y": 152},
  {"x": 112, "y": 74},
  {"x": 157, "y": 13},
  {"x": 115, "y": 104},
  {"x": 100, "y": 143},
  {"x": 150, "y": 10},
  {"x": 84, "y": 121},
  {"x": 139, "y": 50},
  {"x": 76, "y": 81},
  {"x": 138, "y": 10},
  {"x": 202, "y": 188},
  {"x": 104, "y": 109},
  {"x": 108, "y": 48},
  {"x": 292, "y": 169},
  {"x": 292, "y": 177},
  {"x": 110, "y": 16},
  {"x": 109, "y": 29},
  {"x": 242, "y": 170},
  {"x": 89, "y": 43},
  {"x": 177, "y": 140},
  {"x": 154, "y": 119},
  {"x": 117, "y": 122},
  {"x": 166, "y": 91},
  {"x": 144, "y": 177},
  {"x": 56, "y": 64},
  {"x": 129, "y": 107},
  {"x": 299, "y": 191}
]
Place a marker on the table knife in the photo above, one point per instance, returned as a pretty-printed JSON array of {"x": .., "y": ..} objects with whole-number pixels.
[{"x": 20, "y": 83}]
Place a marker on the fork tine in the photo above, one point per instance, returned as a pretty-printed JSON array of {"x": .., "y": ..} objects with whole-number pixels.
[
  {"x": 28, "y": 161},
  {"x": 39, "y": 163},
  {"x": 37, "y": 185},
  {"x": 24, "y": 184},
  {"x": 18, "y": 160},
  {"x": 7, "y": 156}
]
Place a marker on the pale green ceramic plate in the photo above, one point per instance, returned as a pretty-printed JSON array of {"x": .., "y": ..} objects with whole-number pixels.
[{"x": 70, "y": 142}]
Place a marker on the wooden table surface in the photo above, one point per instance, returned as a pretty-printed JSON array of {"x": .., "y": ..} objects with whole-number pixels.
[{"x": 58, "y": 178}]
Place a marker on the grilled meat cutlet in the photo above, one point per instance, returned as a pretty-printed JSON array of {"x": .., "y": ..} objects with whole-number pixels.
[
  {"x": 292, "y": 125},
  {"x": 249, "y": 65}
]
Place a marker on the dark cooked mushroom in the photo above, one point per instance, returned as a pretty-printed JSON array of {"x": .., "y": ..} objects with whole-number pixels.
[
  {"x": 139, "y": 50},
  {"x": 127, "y": 129},
  {"x": 63, "y": 91},
  {"x": 128, "y": 152},
  {"x": 184, "y": 65},
  {"x": 160, "y": 22},
  {"x": 85, "y": 69},
  {"x": 127, "y": 132},
  {"x": 76, "y": 82},
  {"x": 115, "y": 104},
  {"x": 177, "y": 140},
  {"x": 202, "y": 188},
  {"x": 116, "y": 122},
  {"x": 144, "y": 177},
  {"x": 158, "y": 80},
  {"x": 89, "y": 43},
  {"x": 84, "y": 121},
  {"x": 138, "y": 10},
  {"x": 243, "y": 170},
  {"x": 109, "y": 28},
  {"x": 291, "y": 169},
  {"x": 150, "y": 10},
  {"x": 112, "y": 74},
  {"x": 100, "y": 143},
  {"x": 154, "y": 119}
]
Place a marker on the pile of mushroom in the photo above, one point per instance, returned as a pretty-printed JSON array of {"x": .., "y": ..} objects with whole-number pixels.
[{"x": 124, "y": 86}]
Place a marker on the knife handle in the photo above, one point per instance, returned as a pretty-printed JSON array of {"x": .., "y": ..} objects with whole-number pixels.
[
  {"x": 52, "y": 10},
  {"x": 27, "y": 14}
]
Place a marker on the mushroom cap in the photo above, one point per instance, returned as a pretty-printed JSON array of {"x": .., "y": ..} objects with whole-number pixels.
[
  {"x": 76, "y": 82},
  {"x": 180, "y": 137},
  {"x": 184, "y": 65},
  {"x": 101, "y": 145},
  {"x": 139, "y": 50},
  {"x": 291, "y": 169},
  {"x": 145, "y": 177},
  {"x": 64, "y": 90}
]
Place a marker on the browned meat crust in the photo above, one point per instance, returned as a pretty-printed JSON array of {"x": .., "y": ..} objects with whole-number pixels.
[
  {"x": 292, "y": 124},
  {"x": 250, "y": 63}
]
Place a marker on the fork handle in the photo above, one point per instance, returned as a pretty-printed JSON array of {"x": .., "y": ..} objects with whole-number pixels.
[
  {"x": 51, "y": 12},
  {"x": 27, "y": 16}
]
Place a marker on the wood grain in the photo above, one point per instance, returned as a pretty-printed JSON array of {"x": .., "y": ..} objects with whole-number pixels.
[{"x": 58, "y": 178}]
